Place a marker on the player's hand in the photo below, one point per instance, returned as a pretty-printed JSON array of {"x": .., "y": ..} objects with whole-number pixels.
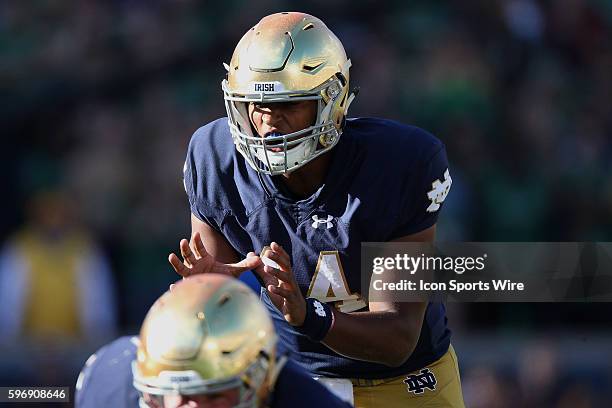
[
  {"x": 196, "y": 260},
  {"x": 281, "y": 284}
]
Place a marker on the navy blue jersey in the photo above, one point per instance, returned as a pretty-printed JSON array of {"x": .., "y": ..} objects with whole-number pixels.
[
  {"x": 381, "y": 185},
  {"x": 106, "y": 381}
]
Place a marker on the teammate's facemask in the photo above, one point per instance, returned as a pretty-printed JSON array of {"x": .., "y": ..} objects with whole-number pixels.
[
  {"x": 287, "y": 57},
  {"x": 209, "y": 336}
]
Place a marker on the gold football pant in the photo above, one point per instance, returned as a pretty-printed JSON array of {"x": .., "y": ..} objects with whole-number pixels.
[{"x": 435, "y": 386}]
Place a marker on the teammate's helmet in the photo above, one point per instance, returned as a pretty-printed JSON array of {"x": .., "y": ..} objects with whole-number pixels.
[
  {"x": 209, "y": 335},
  {"x": 287, "y": 57}
]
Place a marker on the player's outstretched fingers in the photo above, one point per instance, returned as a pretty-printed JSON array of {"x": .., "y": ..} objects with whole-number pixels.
[
  {"x": 281, "y": 291},
  {"x": 251, "y": 262},
  {"x": 289, "y": 301},
  {"x": 279, "y": 274},
  {"x": 197, "y": 245},
  {"x": 259, "y": 271},
  {"x": 178, "y": 265},
  {"x": 186, "y": 252},
  {"x": 277, "y": 300},
  {"x": 285, "y": 288},
  {"x": 281, "y": 251},
  {"x": 283, "y": 262},
  {"x": 254, "y": 261}
]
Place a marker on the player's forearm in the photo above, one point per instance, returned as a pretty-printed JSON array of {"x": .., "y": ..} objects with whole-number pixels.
[{"x": 381, "y": 337}]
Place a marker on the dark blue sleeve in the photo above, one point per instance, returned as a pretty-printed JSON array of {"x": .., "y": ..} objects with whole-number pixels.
[
  {"x": 296, "y": 389},
  {"x": 106, "y": 378},
  {"x": 195, "y": 170},
  {"x": 425, "y": 194}
]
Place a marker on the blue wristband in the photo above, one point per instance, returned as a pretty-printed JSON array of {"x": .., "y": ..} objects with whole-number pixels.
[{"x": 318, "y": 320}]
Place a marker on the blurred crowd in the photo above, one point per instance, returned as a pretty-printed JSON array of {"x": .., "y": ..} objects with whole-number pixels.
[{"x": 100, "y": 98}]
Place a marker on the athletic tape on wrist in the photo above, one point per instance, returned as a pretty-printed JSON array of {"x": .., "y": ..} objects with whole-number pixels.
[{"x": 318, "y": 321}]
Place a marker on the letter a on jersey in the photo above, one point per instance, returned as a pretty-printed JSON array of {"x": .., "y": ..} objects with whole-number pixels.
[{"x": 329, "y": 284}]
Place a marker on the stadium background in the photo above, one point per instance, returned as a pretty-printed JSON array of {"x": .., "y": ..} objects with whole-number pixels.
[{"x": 100, "y": 98}]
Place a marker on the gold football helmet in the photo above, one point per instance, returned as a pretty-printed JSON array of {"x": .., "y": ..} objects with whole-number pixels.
[
  {"x": 211, "y": 334},
  {"x": 287, "y": 57}
]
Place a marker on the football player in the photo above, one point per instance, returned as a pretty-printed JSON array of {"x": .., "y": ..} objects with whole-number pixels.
[
  {"x": 286, "y": 170},
  {"x": 209, "y": 342}
]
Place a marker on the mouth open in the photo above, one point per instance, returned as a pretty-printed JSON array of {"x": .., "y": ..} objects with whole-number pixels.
[{"x": 275, "y": 145}]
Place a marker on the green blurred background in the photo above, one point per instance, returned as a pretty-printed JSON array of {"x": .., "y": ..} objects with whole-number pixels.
[{"x": 99, "y": 100}]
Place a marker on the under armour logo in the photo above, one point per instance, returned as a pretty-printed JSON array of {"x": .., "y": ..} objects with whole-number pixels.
[
  {"x": 317, "y": 221},
  {"x": 439, "y": 191},
  {"x": 319, "y": 308},
  {"x": 418, "y": 382}
]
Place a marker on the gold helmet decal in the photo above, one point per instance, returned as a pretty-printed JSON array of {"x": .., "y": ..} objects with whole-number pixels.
[{"x": 287, "y": 57}]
